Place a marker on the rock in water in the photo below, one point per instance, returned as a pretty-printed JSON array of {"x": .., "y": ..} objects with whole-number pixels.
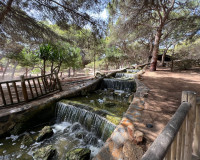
[
  {"x": 44, "y": 153},
  {"x": 78, "y": 154},
  {"x": 46, "y": 132},
  {"x": 27, "y": 139},
  {"x": 109, "y": 104}
]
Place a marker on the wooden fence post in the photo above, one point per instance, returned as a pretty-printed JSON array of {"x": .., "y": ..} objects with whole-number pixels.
[
  {"x": 58, "y": 81},
  {"x": 189, "y": 96},
  {"x": 24, "y": 91},
  {"x": 196, "y": 144},
  {"x": 2, "y": 95}
]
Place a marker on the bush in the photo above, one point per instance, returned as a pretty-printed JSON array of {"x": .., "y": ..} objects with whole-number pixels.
[{"x": 183, "y": 64}]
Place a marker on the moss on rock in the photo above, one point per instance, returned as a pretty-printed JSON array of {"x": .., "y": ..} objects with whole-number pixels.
[
  {"x": 44, "y": 153},
  {"x": 46, "y": 132},
  {"x": 78, "y": 154},
  {"x": 113, "y": 119},
  {"x": 27, "y": 139}
]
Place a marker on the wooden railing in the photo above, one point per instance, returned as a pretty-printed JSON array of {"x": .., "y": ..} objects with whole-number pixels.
[
  {"x": 27, "y": 89},
  {"x": 180, "y": 139}
]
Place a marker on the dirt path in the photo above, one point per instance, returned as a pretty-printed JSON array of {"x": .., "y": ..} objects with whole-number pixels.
[{"x": 165, "y": 96}]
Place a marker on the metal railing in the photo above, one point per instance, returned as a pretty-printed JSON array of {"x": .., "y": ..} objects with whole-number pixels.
[{"x": 27, "y": 89}]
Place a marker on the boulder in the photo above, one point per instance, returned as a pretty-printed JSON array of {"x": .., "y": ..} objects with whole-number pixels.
[
  {"x": 99, "y": 75},
  {"x": 80, "y": 135},
  {"x": 138, "y": 136},
  {"x": 46, "y": 132},
  {"x": 44, "y": 153},
  {"x": 27, "y": 139},
  {"x": 109, "y": 104},
  {"x": 101, "y": 113},
  {"x": 75, "y": 127},
  {"x": 78, "y": 154}
]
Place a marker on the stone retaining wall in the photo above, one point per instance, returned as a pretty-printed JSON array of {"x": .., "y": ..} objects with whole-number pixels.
[{"x": 125, "y": 142}]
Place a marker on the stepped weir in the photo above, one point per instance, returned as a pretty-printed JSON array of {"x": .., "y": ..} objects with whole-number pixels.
[
  {"x": 94, "y": 123},
  {"x": 118, "y": 84}
]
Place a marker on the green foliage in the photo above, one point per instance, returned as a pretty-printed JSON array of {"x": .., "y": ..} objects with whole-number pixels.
[
  {"x": 61, "y": 55},
  {"x": 45, "y": 51},
  {"x": 99, "y": 64},
  {"x": 187, "y": 50},
  {"x": 28, "y": 58}
]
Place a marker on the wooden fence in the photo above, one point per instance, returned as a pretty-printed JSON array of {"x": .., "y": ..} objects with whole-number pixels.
[
  {"x": 27, "y": 89},
  {"x": 180, "y": 139}
]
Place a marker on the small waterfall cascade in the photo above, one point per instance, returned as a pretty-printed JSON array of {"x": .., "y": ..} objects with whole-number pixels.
[
  {"x": 130, "y": 73},
  {"x": 118, "y": 84},
  {"x": 94, "y": 123},
  {"x": 125, "y": 75},
  {"x": 132, "y": 70}
]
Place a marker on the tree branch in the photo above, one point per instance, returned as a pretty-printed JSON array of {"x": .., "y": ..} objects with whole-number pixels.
[{"x": 6, "y": 10}]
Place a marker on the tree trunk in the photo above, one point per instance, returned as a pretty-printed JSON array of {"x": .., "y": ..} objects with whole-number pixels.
[
  {"x": 14, "y": 69},
  {"x": 150, "y": 51},
  {"x": 74, "y": 71},
  {"x": 163, "y": 57},
  {"x": 60, "y": 63},
  {"x": 26, "y": 72},
  {"x": 4, "y": 71},
  {"x": 172, "y": 65},
  {"x": 51, "y": 67},
  {"x": 44, "y": 67},
  {"x": 94, "y": 64},
  {"x": 69, "y": 72},
  {"x": 6, "y": 10},
  {"x": 156, "y": 49},
  {"x": 107, "y": 66}
]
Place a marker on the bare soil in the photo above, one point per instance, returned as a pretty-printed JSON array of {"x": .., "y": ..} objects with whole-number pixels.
[{"x": 165, "y": 96}]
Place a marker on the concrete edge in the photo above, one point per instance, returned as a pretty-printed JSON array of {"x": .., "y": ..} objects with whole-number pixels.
[{"x": 125, "y": 141}]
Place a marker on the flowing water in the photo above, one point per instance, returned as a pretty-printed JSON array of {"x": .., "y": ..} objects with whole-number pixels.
[
  {"x": 66, "y": 137},
  {"x": 125, "y": 75},
  {"x": 119, "y": 84},
  {"x": 92, "y": 122},
  {"x": 129, "y": 74},
  {"x": 113, "y": 102},
  {"x": 85, "y": 122}
]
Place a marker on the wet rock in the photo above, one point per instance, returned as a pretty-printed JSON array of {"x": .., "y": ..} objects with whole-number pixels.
[
  {"x": 75, "y": 127},
  {"x": 45, "y": 153},
  {"x": 78, "y": 154},
  {"x": 90, "y": 139},
  {"x": 4, "y": 118},
  {"x": 80, "y": 135},
  {"x": 66, "y": 130},
  {"x": 110, "y": 104},
  {"x": 99, "y": 75},
  {"x": 101, "y": 113},
  {"x": 27, "y": 139},
  {"x": 138, "y": 136},
  {"x": 110, "y": 90},
  {"x": 46, "y": 132}
]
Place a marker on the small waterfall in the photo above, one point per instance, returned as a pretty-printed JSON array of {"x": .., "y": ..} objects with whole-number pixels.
[
  {"x": 94, "y": 123},
  {"x": 125, "y": 75},
  {"x": 117, "y": 84},
  {"x": 132, "y": 70}
]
